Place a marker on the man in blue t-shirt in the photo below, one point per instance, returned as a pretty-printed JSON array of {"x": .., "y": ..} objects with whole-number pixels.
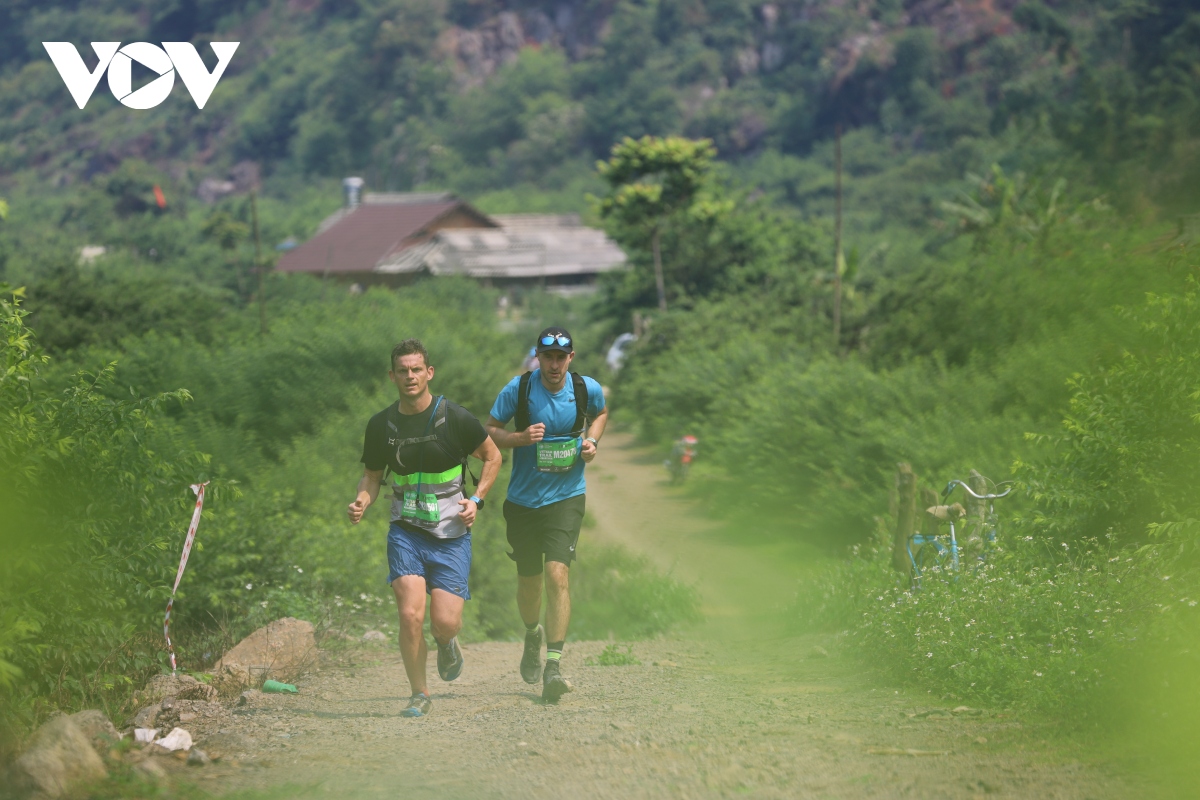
[{"x": 560, "y": 417}]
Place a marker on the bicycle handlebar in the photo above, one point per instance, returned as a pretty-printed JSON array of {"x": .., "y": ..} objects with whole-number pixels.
[{"x": 950, "y": 488}]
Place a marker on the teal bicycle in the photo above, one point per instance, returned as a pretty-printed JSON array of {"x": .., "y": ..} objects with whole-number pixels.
[{"x": 938, "y": 551}]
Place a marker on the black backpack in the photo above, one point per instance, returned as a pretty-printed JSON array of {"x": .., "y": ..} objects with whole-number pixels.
[{"x": 581, "y": 403}]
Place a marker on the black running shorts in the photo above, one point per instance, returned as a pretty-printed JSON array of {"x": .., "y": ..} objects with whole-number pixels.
[{"x": 550, "y": 531}]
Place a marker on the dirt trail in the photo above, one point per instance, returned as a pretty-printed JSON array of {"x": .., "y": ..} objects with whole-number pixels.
[{"x": 734, "y": 708}]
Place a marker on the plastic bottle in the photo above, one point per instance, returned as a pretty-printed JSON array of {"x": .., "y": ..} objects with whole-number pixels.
[{"x": 279, "y": 688}]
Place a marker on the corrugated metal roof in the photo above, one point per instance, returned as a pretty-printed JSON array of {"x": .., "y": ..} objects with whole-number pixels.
[
  {"x": 356, "y": 240},
  {"x": 381, "y": 235},
  {"x": 511, "y": 253},
  {"x": 537, "y": 220}
]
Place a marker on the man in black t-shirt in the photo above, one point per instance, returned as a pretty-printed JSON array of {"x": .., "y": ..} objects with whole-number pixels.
[{"x": 423, "y": 443}]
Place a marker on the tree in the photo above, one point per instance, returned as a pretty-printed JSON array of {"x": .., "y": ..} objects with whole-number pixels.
[{"x": 650, "y": 179}]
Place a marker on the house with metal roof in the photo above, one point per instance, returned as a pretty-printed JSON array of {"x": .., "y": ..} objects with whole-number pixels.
[{"x": 392, "y": 239}]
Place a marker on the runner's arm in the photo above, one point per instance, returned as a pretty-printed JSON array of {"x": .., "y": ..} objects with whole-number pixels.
[
  {"x": 368, "y": 490},
  {"x": 507, "y": 440},
  {"x": 489, "y": 454},
  {"x": 595, "y": 431}
]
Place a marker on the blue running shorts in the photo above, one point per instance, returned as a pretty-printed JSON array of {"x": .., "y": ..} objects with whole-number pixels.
[{"x": 443, "y": 563}]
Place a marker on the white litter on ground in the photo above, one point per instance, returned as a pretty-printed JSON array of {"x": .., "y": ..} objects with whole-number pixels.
[{"x": 177, "y": 739}]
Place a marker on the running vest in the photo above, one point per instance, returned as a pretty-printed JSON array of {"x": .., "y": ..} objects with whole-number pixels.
[
  {"x": 556, "y": 452},
  {"x": 429, "y": 501}
]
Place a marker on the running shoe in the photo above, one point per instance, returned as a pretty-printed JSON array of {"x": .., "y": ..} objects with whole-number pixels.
[
  {"x": 531, "y": 660},
  {"x": 450, "y": 660},
  {"x": 554, "y": 685},
  {"x": 418, "y": 706}
]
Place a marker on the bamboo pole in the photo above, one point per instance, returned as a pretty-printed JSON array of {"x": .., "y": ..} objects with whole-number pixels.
[
  {"x": 259, "y": 266},
  {"x": 839, "y": 259}
]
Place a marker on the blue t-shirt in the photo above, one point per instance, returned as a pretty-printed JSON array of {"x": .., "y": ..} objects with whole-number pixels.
[{"x": 528, "y": 487}]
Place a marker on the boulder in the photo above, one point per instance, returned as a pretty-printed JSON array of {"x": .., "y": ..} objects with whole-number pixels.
[
  {"x": 147, "y": 717},
  {"x": 281, "y": 650},
  {"x": 97, "y": 728},
  {"x": 198, "y": 758},
  {"x": 173, "y": 712},
  {"x": 166, "y": 695},
  {"x": 58, "y": 757},
  {"x": 181, "y": 687},
  {"x": 374, "y": 636}
]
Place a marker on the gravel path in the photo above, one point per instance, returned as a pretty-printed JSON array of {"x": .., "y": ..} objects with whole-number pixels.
[{"x": 733, "y": 708}]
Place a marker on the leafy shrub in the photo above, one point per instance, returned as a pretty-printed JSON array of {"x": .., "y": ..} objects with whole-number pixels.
[
  {"x": 1037, "y": 626},
  {"x": 89, "y": 515},
  {"x": 1127, "y": 458}
]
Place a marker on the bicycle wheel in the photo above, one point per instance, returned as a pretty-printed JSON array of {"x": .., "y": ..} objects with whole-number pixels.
[{"x": 933, "y": 559}]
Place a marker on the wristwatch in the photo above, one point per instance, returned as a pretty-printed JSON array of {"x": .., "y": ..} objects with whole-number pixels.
[
  {"x": 593, "y": 441},
  {"x": 477, "y": 501}
]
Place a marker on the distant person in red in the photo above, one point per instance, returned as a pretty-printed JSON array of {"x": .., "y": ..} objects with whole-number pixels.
[
  {"x": 683, "y": 452},
  {"x": 423, "y": 442}
]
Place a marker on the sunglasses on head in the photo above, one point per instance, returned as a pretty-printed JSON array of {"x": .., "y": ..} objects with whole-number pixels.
[{"x": 562, "y": 341}]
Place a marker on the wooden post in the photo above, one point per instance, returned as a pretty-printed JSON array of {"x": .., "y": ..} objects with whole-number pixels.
[
  {"x": 906, "y": 493},
  {"x": 972, "y": 533},
  {"x": 929, "y": 524}
]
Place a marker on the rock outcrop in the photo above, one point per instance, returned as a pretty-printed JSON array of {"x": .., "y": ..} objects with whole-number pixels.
[
  {"x": 59, "y": 756},
  {"x": 282, "y": 650}
]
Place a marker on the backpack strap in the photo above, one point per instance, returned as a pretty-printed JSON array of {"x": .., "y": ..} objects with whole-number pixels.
[
  {"x": 441, "y": 429},
  {"x": 581, "y": 403},
  {"x": 522, "y": 416}
]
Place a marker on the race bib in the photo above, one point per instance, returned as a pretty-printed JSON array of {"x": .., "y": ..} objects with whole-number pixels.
[
  {"x": 557, "y": 456},
  {"x": 426, "y": 509}
]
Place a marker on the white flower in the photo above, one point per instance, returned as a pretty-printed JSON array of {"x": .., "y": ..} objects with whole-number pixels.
[
  {"x": 299, "y": 570},
  {"x": 249, "y": 586},
  {"x": 263, "y": 604},
  {"x": 1038, "y": 674}
]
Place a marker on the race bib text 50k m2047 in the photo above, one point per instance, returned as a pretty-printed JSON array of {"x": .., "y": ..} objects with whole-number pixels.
[{"x": 118, "y": 61}]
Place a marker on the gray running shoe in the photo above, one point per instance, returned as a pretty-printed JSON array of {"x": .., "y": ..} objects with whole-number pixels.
[
  {"x": 450, "y": 660},
  {"x": 531, "y": 660},
  {"x": 554, "y": 685},
  {"x": 418, "y": 706}
]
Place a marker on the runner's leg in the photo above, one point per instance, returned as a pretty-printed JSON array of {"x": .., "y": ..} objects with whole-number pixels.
[
  {"x": 410, "y": 600},
  {"x": 529, "y": 598},
  {"x": 445, "y": 615},
  {"x": 558, "y": 600}
]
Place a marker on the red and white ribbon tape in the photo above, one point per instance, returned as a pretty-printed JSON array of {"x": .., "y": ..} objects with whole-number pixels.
[{"x": 198, "y": 488}]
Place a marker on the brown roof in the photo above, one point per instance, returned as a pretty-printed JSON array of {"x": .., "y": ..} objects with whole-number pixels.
[{"x": 360, "y": 238}]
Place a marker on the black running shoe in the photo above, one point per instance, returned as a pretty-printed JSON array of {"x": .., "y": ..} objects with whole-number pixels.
[
  {"x": 531, "y": 660},
  {"x": 418, "y": 706},
  {"x": 450, "y": 660},
  {"x": 554, "y": 685}
]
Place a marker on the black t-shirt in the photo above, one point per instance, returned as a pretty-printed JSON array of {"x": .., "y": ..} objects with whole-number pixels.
[{"x": 389, "y": 427}]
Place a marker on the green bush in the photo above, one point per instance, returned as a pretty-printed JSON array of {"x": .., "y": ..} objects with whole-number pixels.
[
  {"x": 1037, "y": 626},
  {"x": 90, "y": 513}
]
